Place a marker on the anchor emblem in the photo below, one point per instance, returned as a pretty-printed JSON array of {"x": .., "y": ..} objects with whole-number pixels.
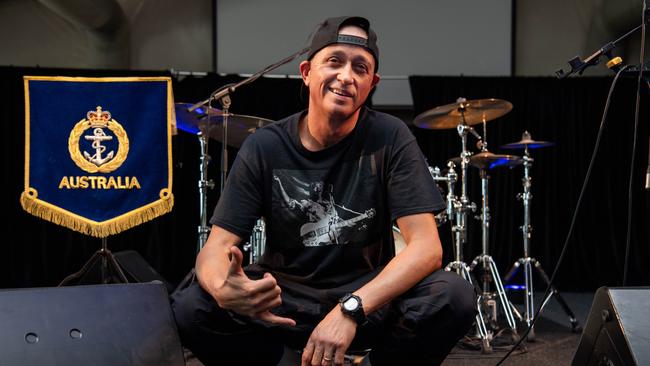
[
  {"x": 97, "y": 138},
  {"x": 98, "y": 120}
]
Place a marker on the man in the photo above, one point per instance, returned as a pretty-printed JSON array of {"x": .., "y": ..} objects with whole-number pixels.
[{"x": 328, "y": 281}]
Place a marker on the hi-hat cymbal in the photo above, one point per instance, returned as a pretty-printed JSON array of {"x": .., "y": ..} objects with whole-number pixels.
[
  {"x": 487, "y": 160},
  {"x": 527, "y": 142},
  {"x": 239, "y": 126},
  {"x": 473, "y": 111}
]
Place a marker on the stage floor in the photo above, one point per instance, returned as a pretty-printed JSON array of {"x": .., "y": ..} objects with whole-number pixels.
[{"x": 555, "y": 342}]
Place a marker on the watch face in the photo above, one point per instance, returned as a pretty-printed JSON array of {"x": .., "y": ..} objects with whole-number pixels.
[{"x": 351, "y": 304}]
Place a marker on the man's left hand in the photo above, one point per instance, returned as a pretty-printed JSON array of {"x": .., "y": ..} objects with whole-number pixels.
[{"x": 330, "y": 340}]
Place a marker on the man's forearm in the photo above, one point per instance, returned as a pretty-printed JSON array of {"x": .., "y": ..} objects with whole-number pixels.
[
  {"x": 417, "y": 261},
  {"x": 422, "y": 256},
  {"x": 213, "y": 260}
]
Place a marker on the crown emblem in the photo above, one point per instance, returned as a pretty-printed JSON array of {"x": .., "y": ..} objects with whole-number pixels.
[{"x": 98, "y": 118}]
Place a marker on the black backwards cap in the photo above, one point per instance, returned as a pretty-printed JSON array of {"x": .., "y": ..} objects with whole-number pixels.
[{"x": 328, "y": 33}]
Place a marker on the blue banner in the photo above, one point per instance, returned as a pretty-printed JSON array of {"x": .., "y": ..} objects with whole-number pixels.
[{"x": 98, "y": 156}]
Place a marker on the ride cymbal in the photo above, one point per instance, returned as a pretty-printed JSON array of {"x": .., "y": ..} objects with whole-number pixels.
[{"x": 470, "y": 111}]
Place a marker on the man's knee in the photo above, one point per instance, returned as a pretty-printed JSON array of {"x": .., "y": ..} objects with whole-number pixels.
[
  {"x": 461, "y": 297},
  {"x": 447, "y": 295},
  {"x": 190, "y": 307}
]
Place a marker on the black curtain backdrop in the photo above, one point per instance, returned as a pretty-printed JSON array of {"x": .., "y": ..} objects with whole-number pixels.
[
  {"x": 568, "y": 113},
  {"x": 35, "y": 252}
]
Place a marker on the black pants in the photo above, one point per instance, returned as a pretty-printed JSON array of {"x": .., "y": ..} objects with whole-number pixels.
[{"x": 421, "y": 326}]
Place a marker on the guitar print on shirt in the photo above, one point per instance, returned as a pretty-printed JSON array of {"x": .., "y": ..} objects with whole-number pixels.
[{"x": 324, "y": 225}]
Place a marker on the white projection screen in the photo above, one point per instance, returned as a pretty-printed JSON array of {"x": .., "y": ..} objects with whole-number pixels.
[{"x": 419, "y": 37}]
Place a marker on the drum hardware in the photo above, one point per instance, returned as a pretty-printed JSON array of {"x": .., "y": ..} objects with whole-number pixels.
[
  {"x": 453, "y": 211},
  {"x": 488, "y": 298},
  {"x": 461, "y": 116},
  {"x": 527, "y": 261},
  {"x": 450, "y": 179},
  {"x": 207, "y": 122},
  {"x": 242, "y": 125},
  {"x": 194, "y": 122},
  {"x": 457, "y": 212},
  {"x": 463, "y": 206},
  {"x": 256, "y": 244}
]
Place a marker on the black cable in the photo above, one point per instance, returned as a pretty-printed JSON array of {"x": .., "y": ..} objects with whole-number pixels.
[
  {"x": 575, "y": 215},
  {"x": 628, "y": 236}
]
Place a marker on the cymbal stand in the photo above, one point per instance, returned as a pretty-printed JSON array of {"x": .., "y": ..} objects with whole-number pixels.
[
  {"x": 456, "y": 213},
  {"x": 225, "y": 104},
  {"x": 529, "y": 263},
  {"x": 460, "y": 207},
  {"x": 223, "y": 96},
  {"x": 490, "y": 271},
  {"x": 204, "y": 184}
]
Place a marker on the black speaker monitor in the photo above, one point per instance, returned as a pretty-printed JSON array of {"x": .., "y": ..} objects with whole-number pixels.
[
  {"x": 617, "y": 330},
  {"x": 123, "y": 324}
]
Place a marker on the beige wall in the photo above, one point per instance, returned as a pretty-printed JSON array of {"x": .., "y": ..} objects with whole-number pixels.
[
  {"x": 156, "y": 34},
  {"x": 164, "y": 34}
]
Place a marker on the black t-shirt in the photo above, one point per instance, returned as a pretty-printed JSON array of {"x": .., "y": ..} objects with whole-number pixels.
[{"x": 328, "y": 213}]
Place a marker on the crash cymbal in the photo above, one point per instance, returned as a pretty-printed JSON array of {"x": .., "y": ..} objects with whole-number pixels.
[
  {"x": 194, "y": 121},
  {"x": 527, "y": 142},
  {"x": 239, "y": 126},
  {"x": 487, "y": 160},
  {"x": 474, "y": 111}
]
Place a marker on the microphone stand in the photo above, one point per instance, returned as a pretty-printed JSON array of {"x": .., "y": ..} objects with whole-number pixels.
[
  {"x": 578, "y": 65},
  {"x": 223, "y": 96}
]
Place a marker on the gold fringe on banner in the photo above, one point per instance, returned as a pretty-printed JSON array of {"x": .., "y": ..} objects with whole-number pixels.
[{"x": 62, "y": 217}]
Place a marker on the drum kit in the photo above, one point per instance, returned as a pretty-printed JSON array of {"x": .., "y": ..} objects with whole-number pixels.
[
  {"x": 232, "y": 129},
  {"x": 461, "y": 116}
]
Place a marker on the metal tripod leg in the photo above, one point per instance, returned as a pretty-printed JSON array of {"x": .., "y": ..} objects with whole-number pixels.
[
  {"x": 489, "y": 265},
  {"x": 529, "y": 307},
  {"x": 575, "y": 327},
  {"x": 481, "y": 329},
  {"x": 529, "y": 264},
  {"x": 108, "y": 263}
]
